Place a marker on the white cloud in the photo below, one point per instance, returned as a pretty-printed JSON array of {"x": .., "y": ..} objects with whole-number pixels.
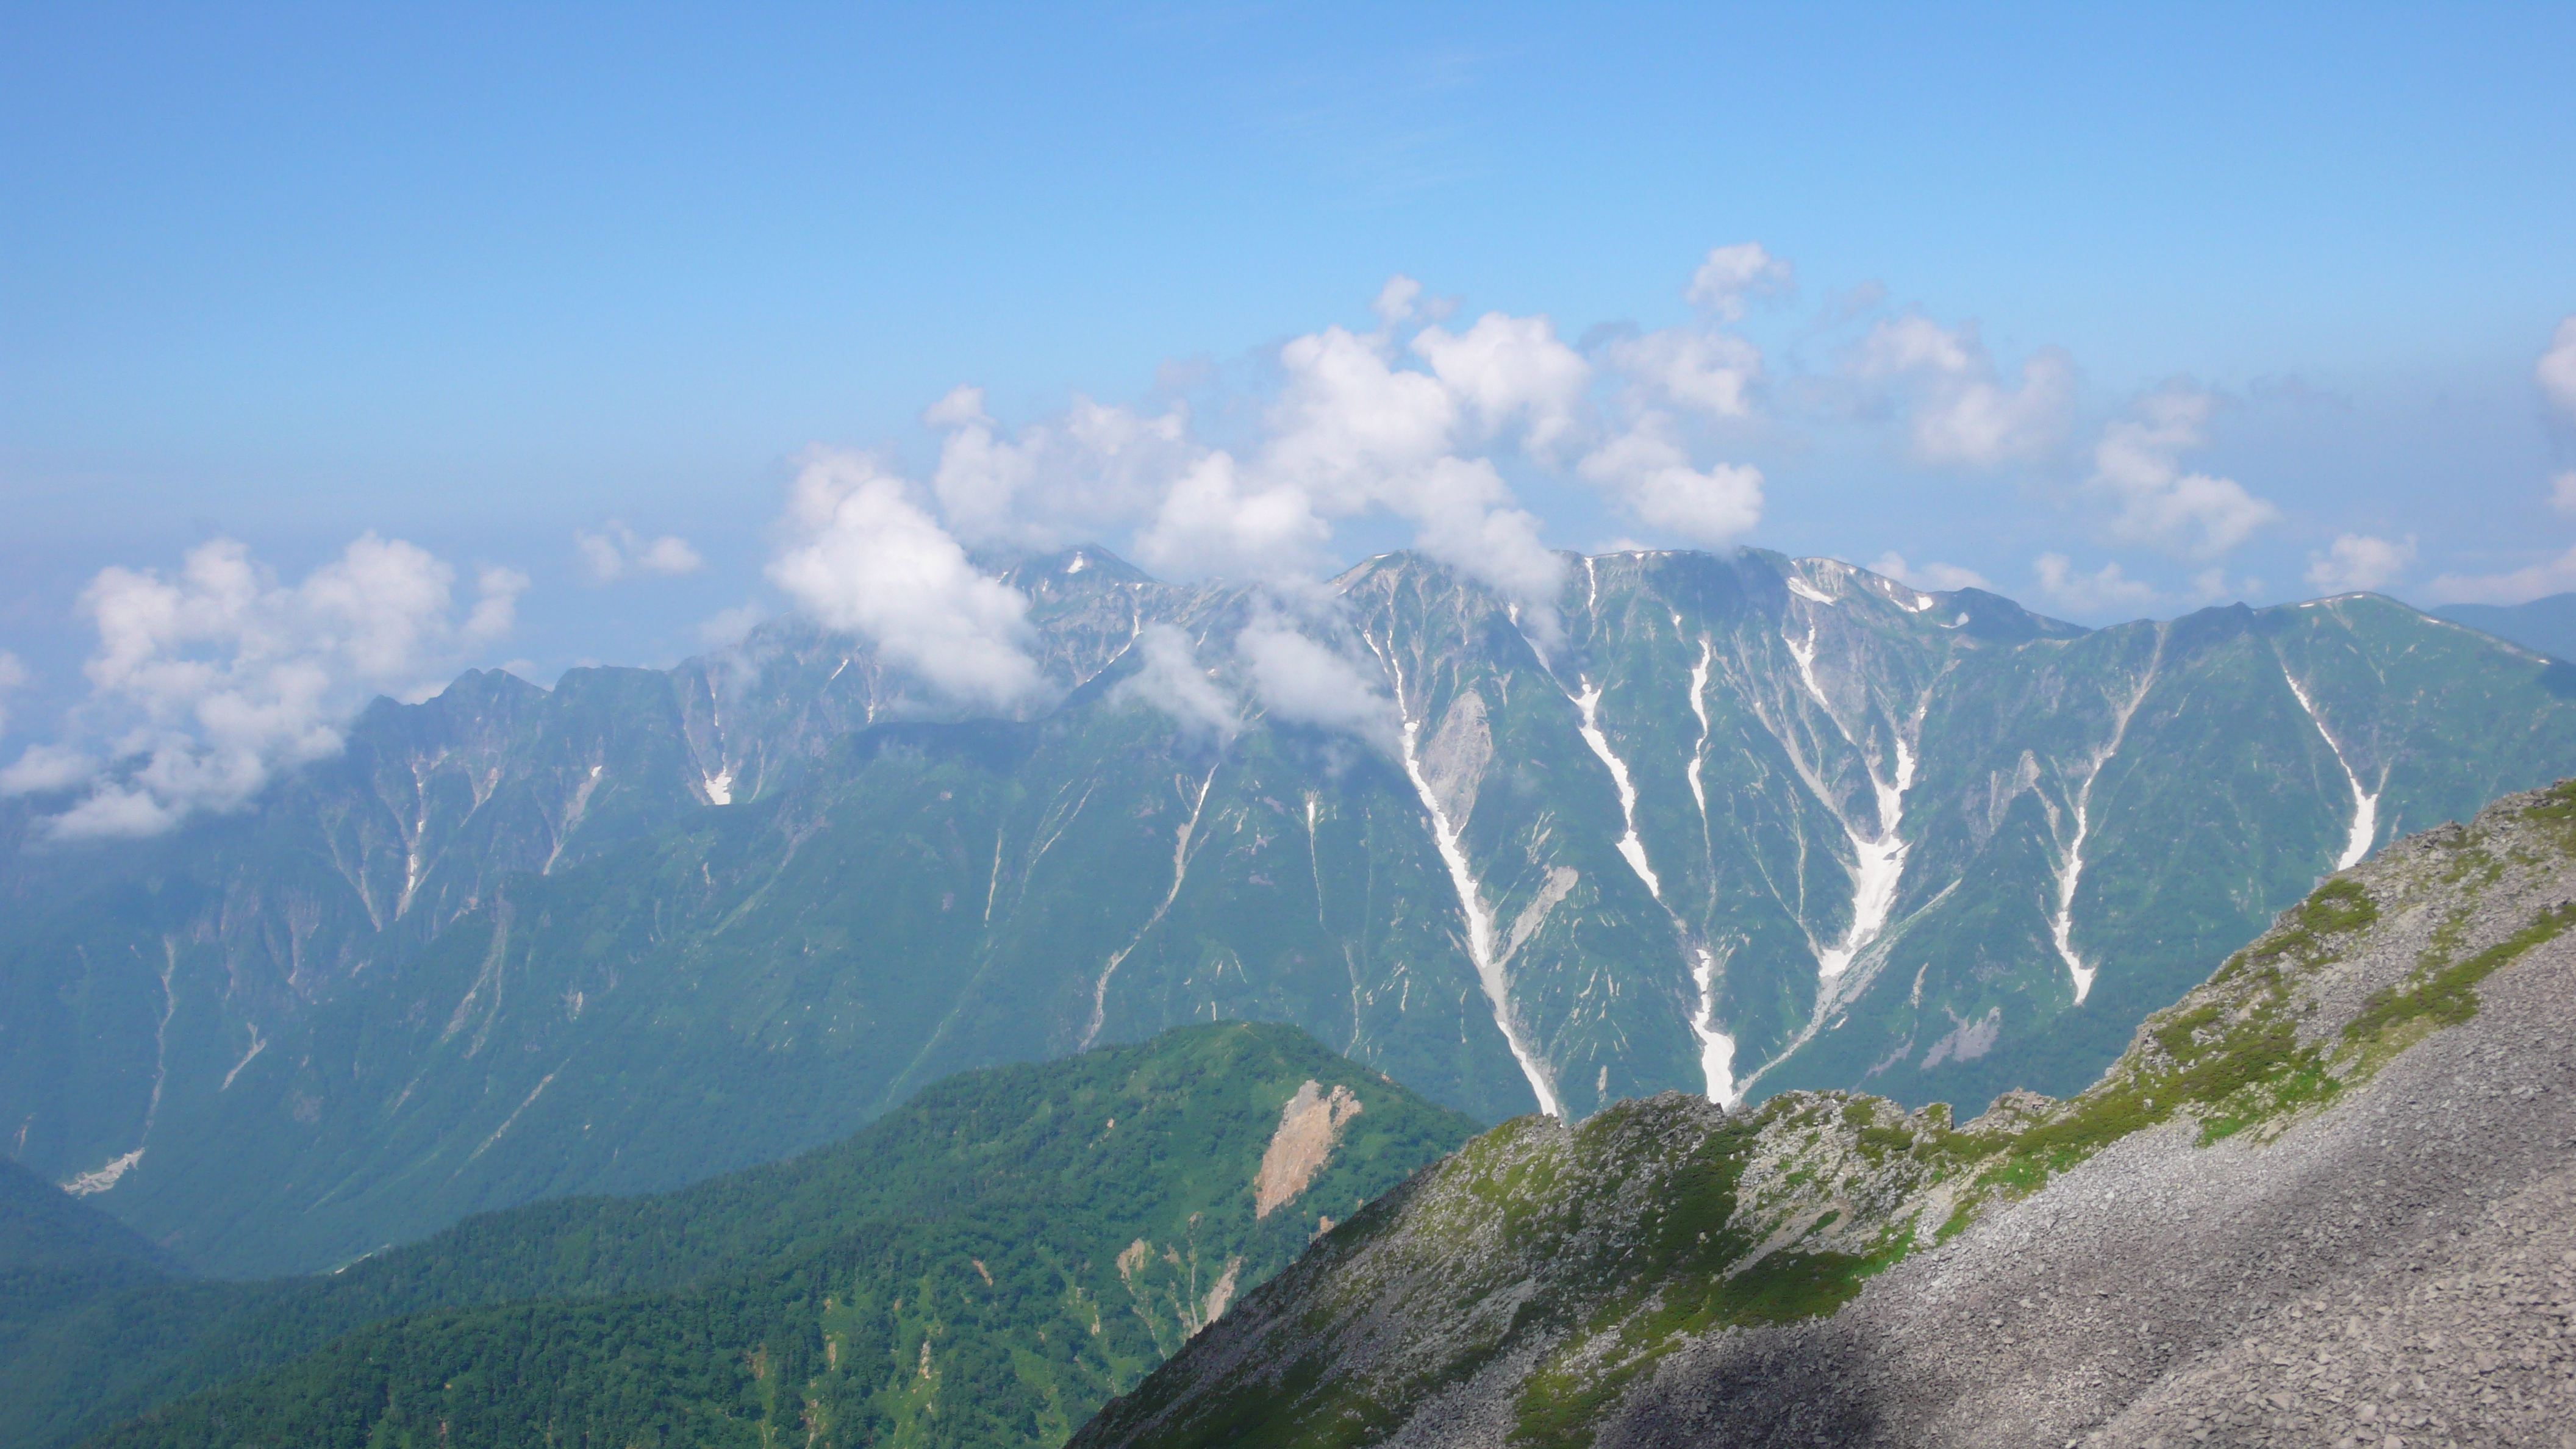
[
  {"x": 1511, "y": 369},
  {"x": 13, "y": 677},
  {"x": 1302, "y": 681},
  {"x": 2137, "y": 466},
  {"x": 1173, "y": 681},
  {"x": 47, "y": 767},
  {"x": 867, "y": 559},
  {"x": 1347, "y": 421},
  {"x": 1729, "y": 274},
  {"x": 1709, "y": 372},
  {"x": 1651, "y": 474},
  {"x": 2562, "y": 492},
  {"x": 2105, "y": 591},
  {"x": 1467, "y": 521},
  {"x": 618, "y": 552},
  {"x": 726, "y": 627},
  {"x": 2556, "y": 370},
  {"x": 1215, "y": 522},
  {"x": 1395, "y": 301},
  {"x": 2357, "y": 563},
  {"x": 209, "y": 681},
  {"x": 2519, "y": 586},
  {"x": 1937, "y": 577},
  {"x": 1056, "y": 482},
  {"x": 1959, "y": 412}
]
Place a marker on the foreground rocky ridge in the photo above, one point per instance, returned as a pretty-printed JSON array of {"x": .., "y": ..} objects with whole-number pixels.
[{"x": 2330, "y": 1193}]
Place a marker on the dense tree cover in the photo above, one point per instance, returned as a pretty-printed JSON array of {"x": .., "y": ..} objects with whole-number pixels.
[{"x": 967, "y": 1270}]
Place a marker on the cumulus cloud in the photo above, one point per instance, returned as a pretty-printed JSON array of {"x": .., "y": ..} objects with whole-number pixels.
[
  {"x": 1054, "y": 482},
  {"x": 2517, "y": 586},
  {"x": 1416, "y": 419},
  {"x": 1172, "y": 680},
  {"x": 1509, "y": 370},
  {"x": 207, "y": 682},
  {"x": 2137, "y": 466},
  {"x": 2104, "y": 591},
  {"x": 47, "y": 767},
  {"x": 2556, "y": 371},
  {"x": 1959, "y": 412},
  {"x": 1708, "y": 372},
  {"x": 865, "y": 557},
  {"x": 13, "y": 677},
  {"x": 1729, "y": 274},
  {"x": 1301, "y": 680},
  {"x": 1650, "y": 473},
  {"x": 1352, "y": 432},
  {"x": 1938, "y": 577},
  {"x": 616, "y": 552},
  {"x": 1216, "y": 521},
  {"x": 2357, "y": 563}
]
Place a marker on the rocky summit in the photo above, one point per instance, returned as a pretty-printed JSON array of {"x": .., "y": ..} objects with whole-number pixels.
[{"x": 2329, "y": 1197}]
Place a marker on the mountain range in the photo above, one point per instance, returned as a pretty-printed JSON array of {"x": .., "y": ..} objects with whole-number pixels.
[
  {"x": 2546, "y": 624},
  {"x": 1724, "y": 824}
]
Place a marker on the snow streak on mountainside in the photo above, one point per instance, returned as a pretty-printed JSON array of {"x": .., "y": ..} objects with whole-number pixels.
[
  {"x": 2365, "y": 803},
  {"x": 1738, "y": 823}
]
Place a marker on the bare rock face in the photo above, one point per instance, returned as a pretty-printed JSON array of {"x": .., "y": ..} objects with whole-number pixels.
[{"x": 2328, "y": 1198}]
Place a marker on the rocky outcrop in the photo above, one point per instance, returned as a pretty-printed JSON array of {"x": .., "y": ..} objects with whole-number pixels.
[{"x": 2329, "y": 1197}]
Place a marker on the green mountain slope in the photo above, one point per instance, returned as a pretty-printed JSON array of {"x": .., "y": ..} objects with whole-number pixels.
[
  {"x": 995, "y": 1217},
  {"x": 1734, "y": 824},
  {"x": 1638, "y": 1278}
]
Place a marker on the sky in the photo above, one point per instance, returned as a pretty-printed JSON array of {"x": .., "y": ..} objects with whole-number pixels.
[{"x": 345, "y": 347}]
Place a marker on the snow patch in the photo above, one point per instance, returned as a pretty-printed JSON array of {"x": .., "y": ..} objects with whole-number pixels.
[
  {"x": 1632, "y": 849},
  {"x": 1180, "y": 870},
  {"x": 720, "y": 787},
  {"x": 2365, "y": 803},
  {"x": 1716, "y": 1048},
  {"x": 1879, "y": 865},
  {"x": 1699, "y": 706},
  {"x": 99, "y": 1180},
  {"x": 257, "y": 1045},
  {"x": 1808, "y": 591},
  {"x": 2062, "y": 929}
]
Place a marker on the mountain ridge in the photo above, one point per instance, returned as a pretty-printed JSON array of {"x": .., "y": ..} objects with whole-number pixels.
[
  {"x": 1004, "y": 1176},
  {"x": 1749, "y": 822}
]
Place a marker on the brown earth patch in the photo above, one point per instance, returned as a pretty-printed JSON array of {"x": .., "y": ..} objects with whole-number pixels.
[{"x": 1308, "y": 1127}]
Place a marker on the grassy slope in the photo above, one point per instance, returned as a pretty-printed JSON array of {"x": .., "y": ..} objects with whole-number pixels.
[{"x": 699, "y": 1316}]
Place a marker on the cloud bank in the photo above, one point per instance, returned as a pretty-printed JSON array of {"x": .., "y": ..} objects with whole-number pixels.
[{"x": 206, "y": 682}]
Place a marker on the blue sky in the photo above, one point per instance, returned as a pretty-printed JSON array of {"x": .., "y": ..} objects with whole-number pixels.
[{"x": 481, "y": 278}]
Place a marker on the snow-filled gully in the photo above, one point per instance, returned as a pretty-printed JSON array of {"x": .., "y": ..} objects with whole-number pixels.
[
  {"x": 1716, "y": 1047},
  {"x": 1180, "y": 872},
  {"x": 1878, "y": 861},
  {"x": 1471, "y": 899},
  {"x": 2365, "y": 803},
  {"x": 2062, "y": 928},
  {"x": 1633, "y": 850},
  {"x": 1480, "y": 922}
]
